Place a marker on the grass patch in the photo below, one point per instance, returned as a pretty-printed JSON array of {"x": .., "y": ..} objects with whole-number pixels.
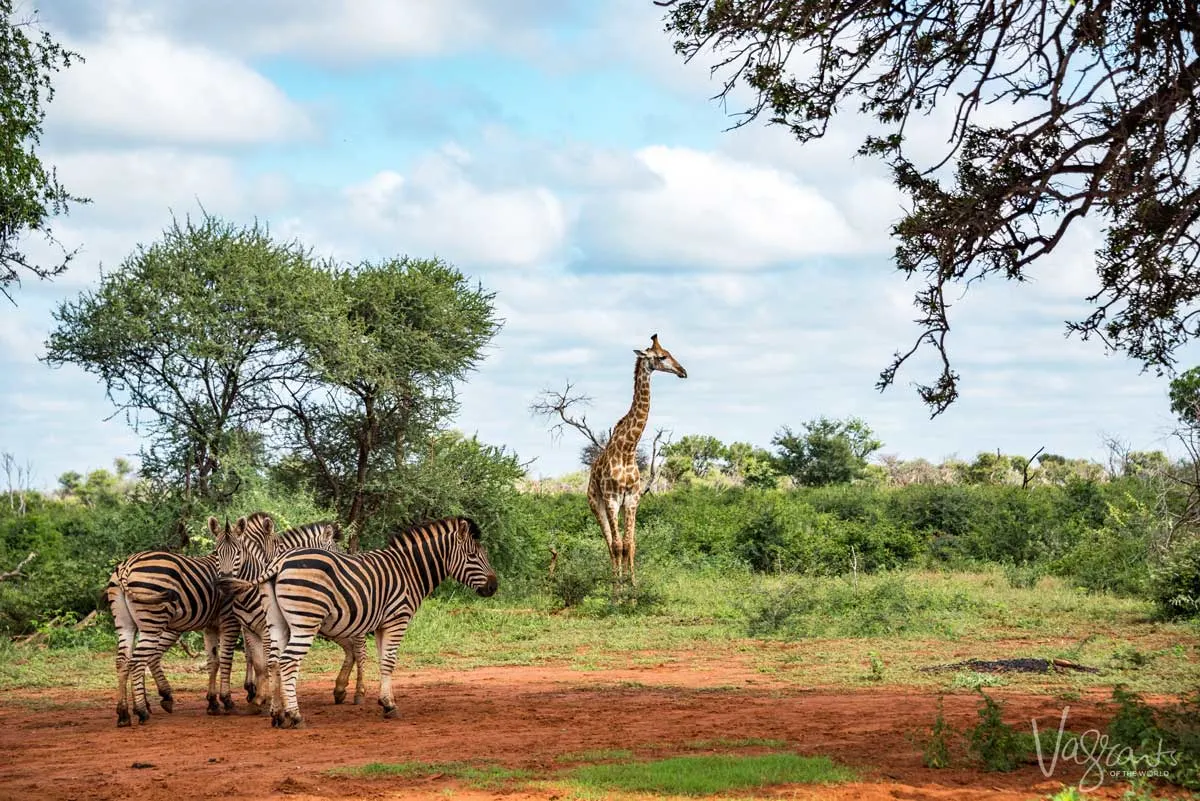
[
  {"x": 707, "y": 775},
  {"x": 741, "y": 742},
  {"x": 832, "y": 631},
  {"x": 594, "y": 755},
  {"x": 480, "y": 776}
]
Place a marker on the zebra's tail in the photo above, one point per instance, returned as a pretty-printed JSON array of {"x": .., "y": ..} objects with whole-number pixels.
[{"x": 233, "y": 584}]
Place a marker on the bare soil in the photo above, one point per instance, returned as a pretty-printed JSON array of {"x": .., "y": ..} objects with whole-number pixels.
[{"x": 59, "y": 745}]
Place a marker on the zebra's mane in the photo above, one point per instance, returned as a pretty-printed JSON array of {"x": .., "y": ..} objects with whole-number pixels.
[
  {"x": 323, "y": 534},
  {"x": 422, "y": 531}
]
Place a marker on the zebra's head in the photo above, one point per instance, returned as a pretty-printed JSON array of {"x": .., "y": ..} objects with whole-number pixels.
[
  {"x": 470, "y": 564},
  {"x": 231, "y": 545}
]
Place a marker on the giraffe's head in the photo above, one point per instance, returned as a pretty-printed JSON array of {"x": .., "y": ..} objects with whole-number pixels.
[{"x": 657, "y": 357}]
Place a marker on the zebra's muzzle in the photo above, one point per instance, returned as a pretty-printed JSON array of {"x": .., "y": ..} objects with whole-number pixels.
[{"x": 489, "y": 589}]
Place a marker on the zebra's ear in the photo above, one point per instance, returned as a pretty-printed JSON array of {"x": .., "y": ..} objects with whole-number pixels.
[
  {"x": 269, "y": 526},
  {"x": 214, "y": 527},
  {"x": 239, "y": 527},
  {"x": 472, "y": 528}
]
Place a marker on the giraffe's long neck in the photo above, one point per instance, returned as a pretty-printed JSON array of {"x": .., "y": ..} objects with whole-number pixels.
[{"x": 628, "y": 430}]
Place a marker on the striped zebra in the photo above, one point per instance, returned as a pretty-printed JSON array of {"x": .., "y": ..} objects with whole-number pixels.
[
  {"x": 261, "y": 545},
  {"x": 156, "y": 596},
  {"x": 341, "y": 596}
]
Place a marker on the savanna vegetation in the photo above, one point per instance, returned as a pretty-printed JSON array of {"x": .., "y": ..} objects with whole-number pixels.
[{"x": 262, "y": 378}]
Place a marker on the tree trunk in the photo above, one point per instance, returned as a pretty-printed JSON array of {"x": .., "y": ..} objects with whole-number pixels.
[{"x": 356, "y": 516}]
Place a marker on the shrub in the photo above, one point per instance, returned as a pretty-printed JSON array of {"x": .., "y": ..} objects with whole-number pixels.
[
  {"x": 994, "y": 742},
  {"x": 1175, "y": 584}
]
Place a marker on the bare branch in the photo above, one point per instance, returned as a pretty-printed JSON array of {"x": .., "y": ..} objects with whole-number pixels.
[
  {"x": 553, "y": 404},
  {"x": 661, "y": 440},
  {"x": 16, "y": 572},
  {"x": 1025, "y": 470}
]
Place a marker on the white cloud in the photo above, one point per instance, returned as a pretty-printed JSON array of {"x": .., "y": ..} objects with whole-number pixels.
[
  {"x": 436, "y": 209},
  {"x": 138, "y": 84},
  {"x": 709, "y": 211}
]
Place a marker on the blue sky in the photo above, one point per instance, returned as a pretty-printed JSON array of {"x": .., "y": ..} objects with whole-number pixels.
[{"x": 565, "y": 157}]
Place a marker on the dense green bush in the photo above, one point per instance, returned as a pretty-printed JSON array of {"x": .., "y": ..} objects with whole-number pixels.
[
  {"x": 1097, "y": 535},
  {"x": 1175, "y": 584}
]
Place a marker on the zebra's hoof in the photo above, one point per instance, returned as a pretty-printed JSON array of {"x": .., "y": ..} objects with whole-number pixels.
[
  {"x": 358, "y": 698},
  {"x": 142, "y": 714},
  {"x": 276, "y": 720},
  {"x": 251, "y": 691},
  {"x": 339, "y": 696},
  {"x": 123, "y": 718},
  {"x": 293, "y": 720},
  {"x": 167, "y": 702},
  {"x": 214, "y": 708},
  {"x": 390, "y": 712},
  {"x": 227, "y": 703}
]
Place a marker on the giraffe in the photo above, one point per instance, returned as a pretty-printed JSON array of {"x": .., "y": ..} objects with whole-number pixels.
[{"x": 614, "y": 482}]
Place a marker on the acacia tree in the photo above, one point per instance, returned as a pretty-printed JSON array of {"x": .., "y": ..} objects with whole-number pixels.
[
  {"x": 380, "y": 369},
  {"x": 30, "y": 193},
  {"x": 1107, "y": 123},
  {"x": 186, "y": 335},
  {"x": 827, "y": 452}
]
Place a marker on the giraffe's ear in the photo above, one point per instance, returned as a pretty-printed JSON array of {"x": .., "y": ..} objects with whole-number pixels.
[{"x": 641, "y": 353}]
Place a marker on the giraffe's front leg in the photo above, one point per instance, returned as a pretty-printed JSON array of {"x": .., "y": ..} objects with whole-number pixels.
[
  {"x": 629, "y": 546},
  {"x": 600, "y": 511}
]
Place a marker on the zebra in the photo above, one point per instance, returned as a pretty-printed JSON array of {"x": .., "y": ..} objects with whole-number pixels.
[
  {"x": 342, "y": 596},
  {"x": 155, "y": 596},
  {"x": 261, "y": 544}
]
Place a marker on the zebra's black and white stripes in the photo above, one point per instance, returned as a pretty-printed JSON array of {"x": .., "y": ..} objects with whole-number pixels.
[
  {"x": 261, "y": 544},
  {"x": 307, "y": 592},
  {"x": 155, "y": 596}
]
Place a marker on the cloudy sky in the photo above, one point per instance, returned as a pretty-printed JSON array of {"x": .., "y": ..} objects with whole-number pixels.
[{"x": 564, "y": 156}]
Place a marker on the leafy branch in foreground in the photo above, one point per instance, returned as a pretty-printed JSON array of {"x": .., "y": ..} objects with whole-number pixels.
[
  {"x": 29, "y": 192},
  {"x": 1103, "y": 106}
]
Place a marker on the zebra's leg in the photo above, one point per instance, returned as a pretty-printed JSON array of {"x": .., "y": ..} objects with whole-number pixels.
[
  {"x": 227, "y": 640},
  {"x": 387, "y": 641},
  {"x": 145, "y": 654},
  {"x": 343, "y": 677},
  {"x": 166, "y": 698},
  {"x": 256, "y": 671},
  {"x": 250, "y": 685},
  {"x": 126, "y": 635},
  {"x": 360, "y": 662},
  {"x": 276, "y": 635},
  {"x": 212, "y": 650},
  {"x": 300, "y": 639}
]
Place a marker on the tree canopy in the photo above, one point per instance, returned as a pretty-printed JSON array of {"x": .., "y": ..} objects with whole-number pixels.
[
  {"x": 190, "y": 335},
  {"x": 238, "y": 354},
  {"x": 30, "y": 193},
  {"x": 1103, "y": 100},
  {"x": 827, "y": 452}
]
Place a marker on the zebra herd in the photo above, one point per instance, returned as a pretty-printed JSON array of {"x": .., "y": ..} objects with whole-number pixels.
[{"x": 279, "y": 591}]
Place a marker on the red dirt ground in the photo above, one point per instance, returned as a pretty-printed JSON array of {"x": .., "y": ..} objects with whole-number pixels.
[{"x": 59, "y": 746}]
